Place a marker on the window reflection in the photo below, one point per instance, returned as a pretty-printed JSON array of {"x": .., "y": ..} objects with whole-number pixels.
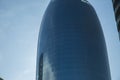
[{"x": 41, "y": 67}]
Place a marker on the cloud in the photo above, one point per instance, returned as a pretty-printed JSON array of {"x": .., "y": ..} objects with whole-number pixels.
[
  {"x": 48, "y": 73},
  {"x": 18, "y": 21},
  {"x": 27, "y": 74}
]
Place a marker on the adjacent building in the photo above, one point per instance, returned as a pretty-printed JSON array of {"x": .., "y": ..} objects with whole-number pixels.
[
  {"x": 116, "y": 7},
  {"x": 71, "y": 43},
  {"x": 1, "y": 79}
]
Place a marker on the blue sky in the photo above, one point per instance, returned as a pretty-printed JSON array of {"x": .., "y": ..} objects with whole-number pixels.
[{"x": 19, "y": 27}]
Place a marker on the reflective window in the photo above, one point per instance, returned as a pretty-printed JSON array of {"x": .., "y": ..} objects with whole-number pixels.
[{"x": 41, "y": 67}]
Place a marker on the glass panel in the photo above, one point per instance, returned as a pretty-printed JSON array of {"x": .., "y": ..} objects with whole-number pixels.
[{"x": 41, "y": 67}]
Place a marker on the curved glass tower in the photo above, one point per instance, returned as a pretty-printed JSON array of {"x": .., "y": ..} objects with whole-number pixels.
[
  {"x": 116, "y": 7},
  {"x": 71, "y": 43}
]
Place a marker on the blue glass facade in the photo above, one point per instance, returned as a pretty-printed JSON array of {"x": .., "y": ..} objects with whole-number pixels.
[{"x": 72, "y": 44}]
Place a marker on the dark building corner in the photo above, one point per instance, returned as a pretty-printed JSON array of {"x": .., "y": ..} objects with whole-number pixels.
[
  {"x": 116, "y": 7},
  {"x": 1, "y": 79}
]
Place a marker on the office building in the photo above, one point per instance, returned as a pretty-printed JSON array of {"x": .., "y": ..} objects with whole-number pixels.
[
  {"x": 116, "y": 7},
  {"x": 71, "y": 43}
]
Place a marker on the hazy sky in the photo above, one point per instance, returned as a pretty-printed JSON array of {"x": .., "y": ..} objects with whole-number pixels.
[{"x": 19, "y": 27}]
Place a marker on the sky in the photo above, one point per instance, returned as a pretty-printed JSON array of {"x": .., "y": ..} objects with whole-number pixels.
[{"x": 19, "y": 27}]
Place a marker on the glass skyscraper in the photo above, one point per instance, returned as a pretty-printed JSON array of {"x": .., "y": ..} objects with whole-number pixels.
[
  {"x": 71, "y": 43},
  {"x": 116, "y": 7}
]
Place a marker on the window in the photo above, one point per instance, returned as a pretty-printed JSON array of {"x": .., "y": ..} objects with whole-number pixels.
[{"x": 41, "y": 67}]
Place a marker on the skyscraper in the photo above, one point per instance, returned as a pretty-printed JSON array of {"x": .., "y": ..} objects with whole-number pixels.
[
  {"x": 71, "y": 43},
  {"x": 116, "y": 7}
]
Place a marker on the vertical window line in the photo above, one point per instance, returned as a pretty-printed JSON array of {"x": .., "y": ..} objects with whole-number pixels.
[{"x": 41, "y": 67}]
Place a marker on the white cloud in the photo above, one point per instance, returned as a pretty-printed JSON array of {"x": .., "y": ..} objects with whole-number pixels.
[
  {"x": 19, "y": 22},
  {"x": 27, "y": 74},
  {"x": 48, "y": 73}
]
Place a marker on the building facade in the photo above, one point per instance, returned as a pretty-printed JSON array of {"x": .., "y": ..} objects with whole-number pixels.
[
  {"x": 116, "y": 7},
  {"x": 71, "y": 43}
]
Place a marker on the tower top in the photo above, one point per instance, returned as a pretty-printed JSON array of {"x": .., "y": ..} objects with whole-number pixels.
[{"x": 85, "y": 1}]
